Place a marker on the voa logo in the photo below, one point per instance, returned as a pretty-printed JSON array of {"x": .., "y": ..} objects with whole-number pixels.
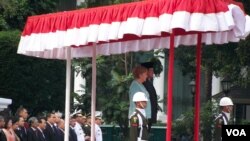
[{"x": 236, "y": 132}]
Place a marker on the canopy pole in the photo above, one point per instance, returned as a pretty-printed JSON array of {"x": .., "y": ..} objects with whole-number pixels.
[
  {"x": 67, "y": 96},
  {"x": 197, "y": 89},
  {"x": 93, "y": 96},
  {"x": 170, "y": 88}
]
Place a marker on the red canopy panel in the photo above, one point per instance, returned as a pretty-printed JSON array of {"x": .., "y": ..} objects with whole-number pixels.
[{"x": 137, "y": 26}]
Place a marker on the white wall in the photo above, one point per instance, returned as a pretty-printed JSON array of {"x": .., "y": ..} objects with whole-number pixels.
[
  {"x": 159, "y": 87},
  {"x": 4, "y": 102},
  {"x": 216, "y": 85},
  {"x": 248, "y": 112},
  {"x": 78, "y": 2},
  {"x": 78, "y": 83}
]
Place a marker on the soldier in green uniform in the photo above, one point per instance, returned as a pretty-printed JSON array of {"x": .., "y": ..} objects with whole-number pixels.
[
  {"x": 223, "y": 118},
  {"x": 87, "y": 127},
  {"x": 138, "y": 120}
]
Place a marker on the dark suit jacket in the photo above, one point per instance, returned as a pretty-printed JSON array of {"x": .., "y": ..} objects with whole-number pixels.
[
  {"x": 40, "y": 135},
  {"x": 21, "y": 133},
  {"x": 60, "y": 135},
  {"x": 153, "y": 99},
  {"x": 56, "y": 129},
  {"x": 50, "y": 133},
  {"x": 32, "y": 134},
  {"x": 87, "y": 129},
  {"x": 72, "y": 134},
  {"x": 2, "y": 136}
]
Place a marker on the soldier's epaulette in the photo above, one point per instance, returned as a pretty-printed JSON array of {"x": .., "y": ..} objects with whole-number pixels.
[
  {"x": 134, "y": 114},
  {"x": 219, "y": 116}
]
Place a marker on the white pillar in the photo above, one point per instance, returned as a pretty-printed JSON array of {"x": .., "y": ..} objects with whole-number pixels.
[{"x": 159, "y": 87}]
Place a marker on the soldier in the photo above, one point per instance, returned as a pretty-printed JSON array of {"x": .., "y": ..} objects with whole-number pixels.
[
  {"x": 78, "y": 127},
  {"x": 87, "y": 128},
  {"x": 98, "y": 130},
  {"x": 223, "y": 118},
  {"x": 138, "y": 120}
]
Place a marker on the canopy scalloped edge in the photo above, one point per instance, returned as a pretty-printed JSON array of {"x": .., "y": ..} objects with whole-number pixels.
[{"x": 140, "y": 26}]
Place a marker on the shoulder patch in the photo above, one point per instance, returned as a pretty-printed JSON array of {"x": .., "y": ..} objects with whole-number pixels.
[{"x": 134, "y": 121}]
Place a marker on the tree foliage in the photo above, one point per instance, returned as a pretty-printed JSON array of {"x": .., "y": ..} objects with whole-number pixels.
[
  {"x": 113, "y": 80},
  {"x": 13, "y": 13},
  {"x": 95, "y": 3},
  {"x": 34, "y": 83},
  {"x": 183, "y": 128},
  {"x": 37, "y": 84}
]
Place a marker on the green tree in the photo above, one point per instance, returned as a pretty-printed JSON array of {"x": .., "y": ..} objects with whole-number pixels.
[
  {"x": 113, "y": 80},
  {"x": 95, "y": 3},
  {"x": 182, "y": 127},
  {"x": 13, "y": 13},
  {"x": 37, "y": 84}
]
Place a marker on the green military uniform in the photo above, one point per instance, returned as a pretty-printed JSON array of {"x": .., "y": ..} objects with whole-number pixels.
[
  {"x": 138, "y": 127},
  {"x": 220, "y": 120},
  {"x": 87, "y": 129}
]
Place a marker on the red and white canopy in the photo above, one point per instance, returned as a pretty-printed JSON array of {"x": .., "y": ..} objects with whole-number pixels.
[{"x": 137, "y": 26}]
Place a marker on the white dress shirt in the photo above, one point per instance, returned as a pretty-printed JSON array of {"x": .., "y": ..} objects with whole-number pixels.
[
  {"x": 98, "y": 133},
  {"x": 79, "y": 132}
]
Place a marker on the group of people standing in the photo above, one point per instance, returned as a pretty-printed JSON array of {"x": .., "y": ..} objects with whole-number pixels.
[
  {"x": 143, "y": 102},
  {"x": 49, "y": 128},
  {"x": 143, "y": 105}
]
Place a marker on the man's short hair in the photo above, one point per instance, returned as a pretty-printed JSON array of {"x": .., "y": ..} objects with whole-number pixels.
[{"x": 19, "y": 110}]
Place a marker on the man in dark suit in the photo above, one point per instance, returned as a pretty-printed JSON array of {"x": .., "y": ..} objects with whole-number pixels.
[
  {"x": 60, "y": 131},
  {"x": 23, "y": 115},
  {"x": 87, "y": 128},
  {"x": 72, "y": 133},
  {"x": 148, "y": 84},
  {"x": 31, "y": 131},
  {"x": 21, "y": 131},
  {"x": 2, "y": 135},
  {"x": 50, "y": 132},
  {"x": 40, "y": 128}
]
